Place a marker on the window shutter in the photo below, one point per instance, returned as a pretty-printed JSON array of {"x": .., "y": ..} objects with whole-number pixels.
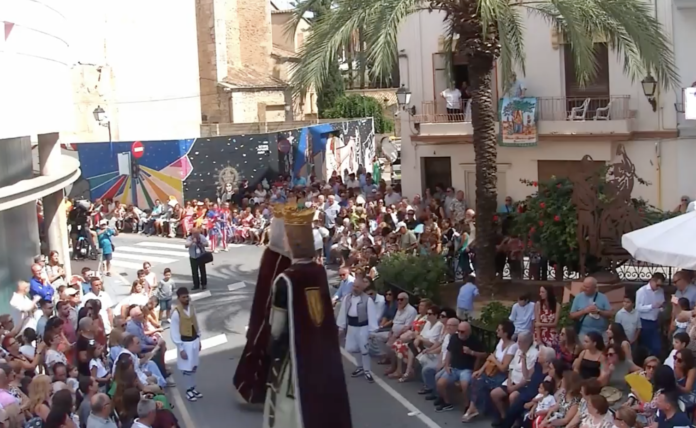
[{"x": 599, "y": 86}]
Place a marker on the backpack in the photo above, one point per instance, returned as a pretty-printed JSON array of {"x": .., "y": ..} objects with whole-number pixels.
[{"x": 33, "y": 422}]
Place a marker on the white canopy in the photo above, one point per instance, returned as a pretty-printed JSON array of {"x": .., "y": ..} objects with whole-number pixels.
[{"x": 668, "y": 243}]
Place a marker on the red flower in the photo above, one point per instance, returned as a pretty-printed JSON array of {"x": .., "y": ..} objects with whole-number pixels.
[
  {"x": 541, "y": 223},
  {"x": 495, "y": 218},
  {"x": 532, "y": 230},
  {"x": 640, "y": 210},
  {"x": 542, "y": 205},
  {"x": 535, "y": 184},
  {"x": 557, "y": 218},
  {"x": 558, "y": 185}
]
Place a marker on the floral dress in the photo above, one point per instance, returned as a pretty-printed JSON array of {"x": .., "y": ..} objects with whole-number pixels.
[
  {"x": 246, "y": 223},
  {"x": 400, "y": 348},
  {"x": 547, "y": 335},
  {"x": 187, "y": 221},
  {"x": 564, "y": 404}
]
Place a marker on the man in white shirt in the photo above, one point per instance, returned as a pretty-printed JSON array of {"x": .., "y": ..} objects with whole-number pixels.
[
  {"x": 650, "y": 299},
  {"x": 358, "y": 318},
  {"x": 405, "y": 314},
  {"x": 352, "y": 182},
  {"x": 517, "y": 87},
  {"x": 131, "y": 346},
  {"x": 23, "y": 307},
  {"x": 453, "y": 99},
  {"x": 98, "y": 293},
  {"x": 380, "y": 301}
]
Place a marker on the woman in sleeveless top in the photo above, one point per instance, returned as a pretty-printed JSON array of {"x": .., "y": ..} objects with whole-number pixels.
[
  {"x": 546, "y": 318},
  {"x": 39, "y": 395},
  {"x": 589, "y": 362}
]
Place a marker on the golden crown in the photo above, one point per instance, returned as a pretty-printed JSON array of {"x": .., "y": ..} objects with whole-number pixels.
[
  {"x": 278, "y": 210},
  {"x": 297, "y": 215}
]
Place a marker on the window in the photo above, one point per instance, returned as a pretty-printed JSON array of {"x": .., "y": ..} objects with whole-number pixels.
[{"x": 599, "y": 86}]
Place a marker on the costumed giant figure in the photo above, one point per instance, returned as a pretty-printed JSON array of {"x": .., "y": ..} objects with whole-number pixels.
[
  {"x": 252, "y": 372},
  {"x": 306, "y": 386}
]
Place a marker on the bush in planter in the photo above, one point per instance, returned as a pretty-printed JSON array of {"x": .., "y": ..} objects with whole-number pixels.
[
  {"x": 493, "y": 314},
  {"x": 419, "y": 275}
]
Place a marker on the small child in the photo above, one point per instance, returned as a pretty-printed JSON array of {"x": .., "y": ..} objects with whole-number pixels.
[
  {"x": 540, "y": 405},
  {"x": 629, "y": 319},
  {"x": 465, "y": 299},
  {"x": 683, "y": 317},
  {"x": 522, "y": 315},
  {"x": 72, "y": 380},
  {"x": 679, "y": 341},
  {"x": 165, "y": 291},
  {"x": 97, "y": 368}
]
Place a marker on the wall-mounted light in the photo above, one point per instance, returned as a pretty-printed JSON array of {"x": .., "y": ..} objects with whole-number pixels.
[
  {"x": 649, "y": 86},
  {"x": 102, "y": 118},
  {"x": 403, "y": 99}
]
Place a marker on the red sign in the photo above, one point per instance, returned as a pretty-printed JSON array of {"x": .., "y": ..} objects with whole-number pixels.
[
  {"x": 137, "y": 150},
  {"x": 284, "y": 146}
]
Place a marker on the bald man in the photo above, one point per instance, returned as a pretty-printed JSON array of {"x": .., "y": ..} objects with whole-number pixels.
[{"x": 405, "y": 315}]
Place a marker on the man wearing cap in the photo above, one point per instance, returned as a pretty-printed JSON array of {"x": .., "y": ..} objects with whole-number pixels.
[
  {"x": 252, "y": 370},
  {"x": 306, "y": 385},
  {"x": 407, "y": 239}
]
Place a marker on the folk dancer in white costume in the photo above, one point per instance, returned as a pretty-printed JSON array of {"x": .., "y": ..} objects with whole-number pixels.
[
  {"x": 357, "y": 318},
  {"x": 185, "y": 334}
]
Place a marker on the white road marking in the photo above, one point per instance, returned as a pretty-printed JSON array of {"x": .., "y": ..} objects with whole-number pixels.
[
  {"x": 186, "y": 420},
  {"x": 126, "y": 265},
  {"x": 202, "y": 295},
  {"x": 162, "y": 245},
  {"x": 151, "y": 259},
  {"x": 151, "y": 251},
  {"x": 413, "y": 410},
  {"x": 236, "y": 286},
  {"x": 123, "y": 280},
  {"x": 208, "y": 343}
]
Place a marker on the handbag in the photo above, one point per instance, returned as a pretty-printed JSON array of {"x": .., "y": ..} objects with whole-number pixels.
[
  {"x": 205, "y": 257},
  {"x": 490, "y": 369}
]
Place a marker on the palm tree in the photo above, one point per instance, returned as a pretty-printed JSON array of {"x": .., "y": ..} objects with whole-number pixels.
[{"x": 490, "y": 31}]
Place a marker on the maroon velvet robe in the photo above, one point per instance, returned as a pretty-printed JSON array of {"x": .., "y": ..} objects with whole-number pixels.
[
  {"x": 320, "y": 384},
  {"x": 252, "y": 371}
]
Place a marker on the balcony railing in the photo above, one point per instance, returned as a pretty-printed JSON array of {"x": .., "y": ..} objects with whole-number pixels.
[
  {"x": 549, "y": 109},
  {"x": 588, "y": 108}
]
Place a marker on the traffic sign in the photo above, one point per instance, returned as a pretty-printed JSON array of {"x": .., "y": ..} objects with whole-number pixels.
[
  {"x": 137, "y": 150},
  {"x": 284, "y": 145}
]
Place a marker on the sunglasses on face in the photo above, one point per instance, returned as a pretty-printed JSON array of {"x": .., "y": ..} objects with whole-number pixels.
[
  {"x": 679, "y": 360},
  {"x": 443, "y": 315},
  {"x": 461, "y": 331},
  {"x": 651, "y": 367},
  {"x": 401, "y": 299},
  {"x": 388, "y": 294}
]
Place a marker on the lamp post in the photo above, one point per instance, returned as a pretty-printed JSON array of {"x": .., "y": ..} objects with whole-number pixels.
[
  {"x": 403, "y": 99},
  {"x": 649, "y": 86},
  {"x": 103, "y": 119}
]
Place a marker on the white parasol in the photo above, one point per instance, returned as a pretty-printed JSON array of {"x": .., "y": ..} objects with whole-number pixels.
[{"x": 668, "y": 243}]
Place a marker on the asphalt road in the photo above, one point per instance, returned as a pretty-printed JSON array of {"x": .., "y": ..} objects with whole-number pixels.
[{"x": 223, "y": 315}]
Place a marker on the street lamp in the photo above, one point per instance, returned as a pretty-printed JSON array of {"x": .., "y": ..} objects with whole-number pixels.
[
  {"x": 403, "y": 99},
  {"x": 649, "y": 86},
  {"x": 102, "y": 118}
]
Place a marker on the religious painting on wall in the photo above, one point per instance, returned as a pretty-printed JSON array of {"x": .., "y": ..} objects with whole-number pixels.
[{"x": 518, "y": 122}]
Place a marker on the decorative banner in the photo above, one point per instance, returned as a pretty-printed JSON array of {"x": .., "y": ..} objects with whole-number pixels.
[
  {"x": 690, "y": 103},
  {"x": 518, "y": 122}
]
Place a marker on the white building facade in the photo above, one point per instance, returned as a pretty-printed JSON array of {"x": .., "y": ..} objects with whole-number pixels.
[
  {"x": 437, "y": 148},
  {"x": 35, "y": 104}
]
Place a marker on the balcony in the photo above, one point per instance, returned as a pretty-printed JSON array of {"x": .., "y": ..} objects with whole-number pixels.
[{"x": 558, "y": 118}]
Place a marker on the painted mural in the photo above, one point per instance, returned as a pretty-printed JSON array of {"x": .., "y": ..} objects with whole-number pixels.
[
  {"x": 139, "y": 172},
  {"x": 117, "y": 171},
  {"x": 518, "y": 122}
]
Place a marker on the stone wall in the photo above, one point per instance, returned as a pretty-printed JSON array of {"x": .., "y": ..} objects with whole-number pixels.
[
  {"x": 245, "y": 106},
  {"x": 255, "y": 34}
]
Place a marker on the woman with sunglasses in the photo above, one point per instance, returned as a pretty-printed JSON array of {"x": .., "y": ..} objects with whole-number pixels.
[
  {"x": 625, "y": 417},
  {"x": 685, "y": 373},
  {"x": 14, "y": 356},
  {"x": 493, "y": 372},
  {"x": 663, "y": 380},
  {"x": 426, "y": 347}
]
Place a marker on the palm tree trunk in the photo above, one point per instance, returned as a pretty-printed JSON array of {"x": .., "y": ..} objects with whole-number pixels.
[{"x": 483, "y": 118}]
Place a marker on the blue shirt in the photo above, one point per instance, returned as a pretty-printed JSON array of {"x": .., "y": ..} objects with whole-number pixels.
[
  {"x": 136, "y": 329},
  {"x": 195, "y": 251},
  {"x": 522, "y": 317},
  {"x": 104, "y": 238},
  {"x": 589, "y": 323},
  {"x": 37, "y": 288},
  {"x": 467, "y": 293},
  {"x": 678, "y": 420},
  {"x": 345, "y": 287},
  {"x": 86, "y": 288}
]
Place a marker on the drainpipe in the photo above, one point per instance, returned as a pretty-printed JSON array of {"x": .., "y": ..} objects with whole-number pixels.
[{"x": 289, "y": 110}]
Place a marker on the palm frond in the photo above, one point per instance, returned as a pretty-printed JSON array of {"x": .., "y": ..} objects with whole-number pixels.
[
  {"x": 301, "y": 9},
  {"x": 511, "y": 36},
  {"x": 329, "y": 34},
  {"x": 382, "y": 25}
]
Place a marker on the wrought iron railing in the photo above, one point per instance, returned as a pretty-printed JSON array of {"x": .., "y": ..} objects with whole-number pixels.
[{"x": 615, "y": 107}]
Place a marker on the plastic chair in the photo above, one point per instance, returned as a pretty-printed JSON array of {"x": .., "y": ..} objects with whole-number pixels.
[{"x": 578, "y": 113}]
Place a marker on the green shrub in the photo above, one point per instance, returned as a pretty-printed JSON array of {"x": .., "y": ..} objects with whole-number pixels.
[
  {"x": 493, "y": 314},
  {"x": 359, "y": 106},
  {"x": 419, "y": 275}
]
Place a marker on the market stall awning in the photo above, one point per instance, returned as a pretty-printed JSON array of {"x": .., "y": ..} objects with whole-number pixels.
[{"x": 668, "y": 243}]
